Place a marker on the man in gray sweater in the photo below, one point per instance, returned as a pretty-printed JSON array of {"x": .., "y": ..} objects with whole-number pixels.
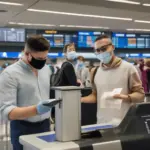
[{"x": 113, "y": 73}]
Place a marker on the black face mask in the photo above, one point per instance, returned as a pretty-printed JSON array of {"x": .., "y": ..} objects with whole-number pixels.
[{"x": 36, "y": 63}]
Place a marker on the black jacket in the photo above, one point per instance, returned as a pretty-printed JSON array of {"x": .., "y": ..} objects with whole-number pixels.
[{"x": 68, "y": 75}]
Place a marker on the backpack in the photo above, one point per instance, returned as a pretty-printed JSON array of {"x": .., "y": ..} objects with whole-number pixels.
[
  {"x": 53, "y": 77},
  {"x": 94, "y": 73},
  {"x": 57, "y": 78}
]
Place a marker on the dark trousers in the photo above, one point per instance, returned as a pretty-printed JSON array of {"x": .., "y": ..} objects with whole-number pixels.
[{"x": 19, "y": 128}]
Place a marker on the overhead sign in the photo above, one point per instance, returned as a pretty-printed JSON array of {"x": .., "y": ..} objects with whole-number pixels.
[{"x": 50, "y": 31}]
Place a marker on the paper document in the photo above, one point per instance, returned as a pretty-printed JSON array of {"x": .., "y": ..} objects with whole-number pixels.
[
  {"x": 107, "y": 100},
  {"x": 116, "y": 91}
]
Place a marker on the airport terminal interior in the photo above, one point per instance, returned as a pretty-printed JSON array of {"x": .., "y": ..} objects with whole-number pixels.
[{"x": 74, "y": 74}]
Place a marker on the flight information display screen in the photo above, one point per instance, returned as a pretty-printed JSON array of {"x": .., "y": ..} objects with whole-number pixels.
[
  {"x": 12, "y": 35},
  {"x": 122, "y": 40},
  {"x": 129, "y": 40},
  {"x": 147, "y": 43},
  {"x": 59, "y": 39},
  {"x": 86, "y": 39},
  {"x": 143, "y": 41},
  {"x": 140, "y": 43},
  {"x": 71, "y": 38},
  {"x": 50, "y": 38},
  {"x": 81, "y": 39}
]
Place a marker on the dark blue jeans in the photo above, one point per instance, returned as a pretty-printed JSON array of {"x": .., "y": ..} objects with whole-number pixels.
[{"x": 19, "y": 128}]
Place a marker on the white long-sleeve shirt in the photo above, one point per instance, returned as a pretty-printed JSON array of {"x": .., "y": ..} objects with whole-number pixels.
[{"x": 19, "y": 87}]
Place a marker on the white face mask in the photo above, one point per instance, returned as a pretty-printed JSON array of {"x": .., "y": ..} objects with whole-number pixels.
[
  {"x": 80, "y": 64},
  {"x": 71, "y": 55},
  {"x": 105, "y": 57}
]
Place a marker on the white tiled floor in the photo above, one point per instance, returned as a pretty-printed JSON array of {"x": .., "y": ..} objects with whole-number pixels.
[
  {"x": 5, "y": 145},
  {"x": 4, "y": 136},
  {"x": 4, "y": 129}
]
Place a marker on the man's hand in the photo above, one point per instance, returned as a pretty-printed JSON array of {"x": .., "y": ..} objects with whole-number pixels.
[
  {"x": 123, "y": 97},
  {"x": 89, "y": 99},
  {"x": 41, "y": 109},
  {"x": 79, "y": 81},
  {"x": 20, "y": 113},
  {"x": 83, "y": 100}
]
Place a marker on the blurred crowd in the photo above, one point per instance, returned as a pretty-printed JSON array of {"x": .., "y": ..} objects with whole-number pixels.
[
  {"x": 143, "y": 68},
  {"x": 83, "y": 70}
]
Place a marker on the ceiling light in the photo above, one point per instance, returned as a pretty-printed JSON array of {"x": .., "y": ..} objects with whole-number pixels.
[
  {"x": 31, "y": 24},
  {"x": 9, "y": 3},
  {"x": 125, "y": 1},
  {"x": 12, "y": 22},
  {"x": 79, "y": 26},
  {"x": 141, "y": 21},
  {"x": 145, "y": 30},
  {"x": 79, "y": 15},
  {"x": 146, "y": 4}
]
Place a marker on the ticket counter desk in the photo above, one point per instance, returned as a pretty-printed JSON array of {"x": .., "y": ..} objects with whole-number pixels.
[
  {"x": 132, "y": 134},
  {"x": 47, "y": 141}
]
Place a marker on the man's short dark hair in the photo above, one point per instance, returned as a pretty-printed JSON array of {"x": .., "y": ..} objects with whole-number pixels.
[
  {"x": 104, "y": 36},
  {"x": 37, "y": 43},
  {"x": 66, "y": 46}
]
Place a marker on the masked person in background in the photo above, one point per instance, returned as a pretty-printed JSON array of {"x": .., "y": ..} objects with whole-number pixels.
[
  {"x": 82, "y": 72},
  {"x": 24, "y": 88},
  {"x": 67, "y": 75},
  {"x": 113, "y": 72}
]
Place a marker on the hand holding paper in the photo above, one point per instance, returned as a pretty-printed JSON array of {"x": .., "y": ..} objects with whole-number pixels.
[
  {"x": 121, "y": 96},
  {"x": 108, "y": 100}
]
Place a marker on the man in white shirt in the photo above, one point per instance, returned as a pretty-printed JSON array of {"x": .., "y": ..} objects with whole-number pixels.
[{"x": 24, "y": 87}]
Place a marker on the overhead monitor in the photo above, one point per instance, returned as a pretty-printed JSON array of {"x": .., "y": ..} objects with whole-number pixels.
[
  {"x": 123, "y": 40},
  {"x": 58, "y": 39},
  {"x": 50, "y": 38},
  {"x": 131, "y": 40},
  {"x": 86, "y": 39},
  {"x": 12, "y": 35},
  {"x": 71, "y": 38}
]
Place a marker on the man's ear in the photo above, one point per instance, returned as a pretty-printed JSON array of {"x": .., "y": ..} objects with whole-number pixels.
[
  {"x": 113, "y": 47},
  {"x": 26, "y": 53}
]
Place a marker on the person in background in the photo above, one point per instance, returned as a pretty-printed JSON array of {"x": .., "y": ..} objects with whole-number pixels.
[
  {"x": 51, "y": 67},
  {"x": 144, "y": 77},
  {"x": 83, "y": 72},
  {"x": 91, "y": 66},
  {"x": 52, "y": 63},
  {"x": 147, "y": 68},
  {"x": 5, "y": 65},
  {"x": 136, "y": 65},
  {"x": 148, "y": 74},
  {"x": 113, "y": 73},
  {"x": 68, "y": 74},
  {"x": 24, "y": 88}
]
